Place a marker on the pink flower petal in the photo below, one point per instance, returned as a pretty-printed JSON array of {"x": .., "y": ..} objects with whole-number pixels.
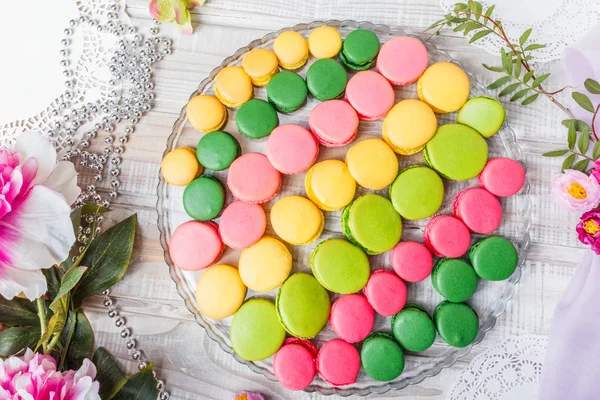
[
  {"x": 63, "y": 180},
  {"x": 33, "y": 145}
]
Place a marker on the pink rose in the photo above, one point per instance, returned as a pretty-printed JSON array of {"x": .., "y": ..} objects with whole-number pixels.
[{"x": 576, "y": 191}]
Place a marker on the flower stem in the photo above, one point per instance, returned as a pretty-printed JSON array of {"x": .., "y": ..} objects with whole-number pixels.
[
  {"x": 42, "y": 316},
  {"x": 594, "y": 121}
]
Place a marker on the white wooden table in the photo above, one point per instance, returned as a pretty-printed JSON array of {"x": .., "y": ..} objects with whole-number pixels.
[{"x": 192, "y": 365}]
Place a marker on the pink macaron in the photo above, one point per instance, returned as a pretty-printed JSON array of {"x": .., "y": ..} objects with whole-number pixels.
[
  {"x": 370, "y": 94},
  {"x": 480, "y": 210},
  {"x": 386, "y": 292},
  {"x": 195, "y": 245},
  {"x": 295, "y": 363},
  {"x": 352, "y": 317},
  {"x": 291, "y": 149},
  {"x": 412, "y": 261},
  {"x": 402, "y": 60},
  {"x": 502, "y": 177},
  {"x": 242, "y": 224},
  {"x": 447, "y": 236},
  {"x": 252, "y": 179},
  {"x": 334, "y": 123},
  {"x": 338, "y": 362}
]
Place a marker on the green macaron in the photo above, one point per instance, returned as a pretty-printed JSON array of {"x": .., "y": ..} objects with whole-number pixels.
[
  {"x": 494, "y": 258},
  {"x": 456, "y": 152},
  {"x": 360, "y": 49},
  {"x": 413, "y": 328},
  {"x": 417, "y": 192},
  {"x": 454, "y": 279},
  {"x": 484, "y": 114},
  {"x": 287, "y": 91},
  {"x": 256, "y": 119},
  {"x": 381, "y": 357},
  {"x": 302, "y": 306},
  {"x": 372, "y": 223},
  {"x": 203, "y": 198},
  {"x": 456, "y": 323},
  {"x": 217, "y": 150},
  {"x": 326, "y": 79},
  {"x": 340, "y": 266}
]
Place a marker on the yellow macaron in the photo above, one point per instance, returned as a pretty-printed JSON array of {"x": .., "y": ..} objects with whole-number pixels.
[
  {"x": 260, "y": 65},
  {"x": 408, "y": 126},
  {"x": 291, "y": 49},
  {"x": 220, "y": 291},
  {"x": 265, "y": 265},
  {"x": 330, "y": 185},
  {"x": 296, "y": 220},
  {"x": 325, "y": 42},
  {"x": 180, "y": 166},
  {"x": 444, "y": 86},
  {"x": 233, "y": 86},
  {"x": 372, "y": 163},
  {"x": 206, "y": 113}
]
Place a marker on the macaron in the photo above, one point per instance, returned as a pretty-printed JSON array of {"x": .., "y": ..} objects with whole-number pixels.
[
  {"x": 295, "y": 364},
  {"x": 180, "y": 167},
  {"x": 480, "y": 210},
  {"x": 484, "y": 114},
  {"x": 324, "y": 42},
  {"x": 372, "y": 163},
  {"x": 326, "y": 79},
  {"x": 287, "y": 91},
  {"x": 265, "y": 265},
  {"x": 402, "y": 60},
  {"x": 456, "y": 152},
  {"x": 381, "y": 357},
  {"x": 352, "y": 317},
  {"x": 370, "y": 94},
  {"x": 242, "y": 224},
  {"x": 340, "y": 266},
  {"x": 412, "y": 261},
  {"x": 360, "y": 49},
  {"x": 296, "y": 220},
  {"x": 454, "y": 279},
  {"x": 255, "y": 332},
  {"x": 386, "y": 292},
  {"x": 195, "y": 245},
  {"x": 417, "y": 192},
  {"x": 447, "y": 236},
  {"x": 502, "y": 177},
  {"x": 329, "y": 185},
  {"x": 334, "y": 123},
  {"x": 302, "y": 306},
  {"x": 444, "y": 86},
  {"x": 252, "y": 179},
  {"x": 217, "y": 150},
  {"x": 203, "y": 198},
  {"x": 371, "y": 223},
  {"x": 494, "y": 258},
  {"x": 260, "y": 65},
  {"x": 233, "y": 86},
  {"x": 338, "y": 362},
  {"x": 408, "y": 126},
  {"x": 413, "y": 328},
  {"x": 292, "y": 149},
  {"x": 457, "y": 323},
  {"x": 206, "y": 113},
  {"x": 256, "y": 119},
  {"x": 220, "y": 292},
  {"x": 291, "y": 49}
]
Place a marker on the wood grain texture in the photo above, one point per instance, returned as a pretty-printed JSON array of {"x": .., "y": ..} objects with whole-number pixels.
[{"x": 192, "y": 365}]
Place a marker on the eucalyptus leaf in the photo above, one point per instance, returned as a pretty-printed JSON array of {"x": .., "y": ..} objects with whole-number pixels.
[
  {"x": 78, "y": 344},
  {"x": 489, "y": 11},
  {"x": 471, "y": 26},
  {"x": 583, "y": 101},
  {"x": 460, "y": 27},
  {"x": 539, "y": 80},
  {"x": 592, "y": 86},
  {"x": 110, "y": 376},
  {"x": 572, "y": 135},
  {"x": 506, "y": 60},
  {"x": 555, "y": 153},
  {"x": 141, "y": 386},
  {"x": 519, "y": 94},
  {"x": 518, "y": 65},
  {"x": 583, "y": 143},
  {"x": 525, "y": 36},
  {"x": 479, "y": 35},
  {"x": 436, "y": 24},
  {"x": 499, "y": 82},
  {"x": 568, "y": 162},
  {"x": 476, "y": 7},
  {"x": 596, "y": 151},
  {"x": 527, "y": 77},
  {"x": 509, "y": 89},
  {"x": 579, "y": 124},
  {"x": 16, "y": 339},
  {"x": 534, "y": 46},
  {"x": 69, "y": 280},
  {"x": 460, "y": 7},
  {"x": 581, "y": 165},
  {"x": 493, "y": 69},
  {"x": 18, "y": 312},
  {"x": 530, "y": 99}
]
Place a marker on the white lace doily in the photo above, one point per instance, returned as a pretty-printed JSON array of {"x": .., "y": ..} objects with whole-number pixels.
[{"x": 509, "y": 371}]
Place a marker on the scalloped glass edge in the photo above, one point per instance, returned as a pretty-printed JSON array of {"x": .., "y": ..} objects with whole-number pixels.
[{"x": 377, "y": 387}]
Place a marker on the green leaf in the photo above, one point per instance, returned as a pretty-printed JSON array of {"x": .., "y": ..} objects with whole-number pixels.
[
  {"x": 57, "y": 321},
  {"x": 107, "y": 260},
  {"x": 110, "y": 376},
  {"x": 583, "y": 143},
  {"x": 539, "y": 80},
  {"x": 493, "y": 69},
  {"x": 581, "y": 165},
  {"x": 596, "y": 151},
  {"x": 78, "y": 344},
  {"x": 18, "y": 312},
  {"x": 460, "y": 27},
  {"x": 530, "y": 99},
  {"x": 460, "y": 7},
  {"x": 568, "y": 162},
  {"x": 572, "y": 135},
  {"x": 506, "y": 60},
  {"x": 489, "y": 12},
  {"x": 579, "y": 125},
  {"x": 592, "y": 86},
  {"x": 583, "y": 101},
  {"x": 555, "y": 153},
  {"x": 525, "y": 36},
  {"x": 509, "y": 89},
  {"x": 518, "y": 65},
  {"x": 527, "y": 77},
  {"x": 69, "y": 280},
  {"x": 534, "y": 46},
  {"x": 479, "y": 35},
  {"x": 471, "y": 26},
  {"x": 14, "y": 340},
  {"x": 499, "y": 82},
  {"x": 519, "y": 94},
  {"x": 141, "y": 386},
  {"x": 436, "y": 24}
]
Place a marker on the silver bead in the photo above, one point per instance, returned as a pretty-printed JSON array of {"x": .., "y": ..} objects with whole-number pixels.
[
  {"x": 112, "y": 195},
  {"x": 113, "y": 8},
  {"x": 108, "y": 139},
  {"x": 105, "y": 203},
  {"x": 73, "y": 22},
  {"x": 54, "y": 112},
  {"x": 63, "y": 105},
  {"x": 92, "y": 22},
  {"x": 102, "y": 159},
  {"x": 97, "y": 197},
  {"x": 97, "y": 126},
  {"x": 108, "y": 128},
  {"x": 164, "y": 396},
  {"x": 106, "y": 292},
  {"x": 91, "y": 134},
  {"x": 146, "y": 107},
  {"x": 97, "y": 178},
  {"x": 142, "y": 365},
  {"x": 74, "y": 125},
  {"x": 136, "y": 355},
  {"x": 68, "y": 31},
  {"x": 138, "y": 38},
  {"x": 70, "y": 84},
  {"x": 130, "y": 344},
  {"x": 129, "y": 129},
  {"x": 84, "y": 143},
  {"x": 132, "y": 30},
  {"x": 63, "y": 52},
  {"x": 76, "y": 152},
  {"x": 119, "y": 150},
  {"x": 155, "y": 22},
  {"x": 107, "y": 150},
  {"x": 114, "y": 172},
  {"x": 160, "y": 384},
  {"x": 116, "y": 160},
  {"x": 74, "y": 258},
  {"x": 115, "y": 118},
  {"x": 85, "y": 154},
  {"x": 119, "y": 322},
  {"x": 115, "y": 183},
  {"x": 98, "y": 230},
  {"x": 93, "y": 157},
  {"x": 87, "y": 230},
  {"x": 154, "y": 375},
  {"x": 112, "y": 82},
  {"x": 112, "y": 313},
  {"x": 64, "y": 62},
  {"x": 69, "y": 141},
  {"x": 99, "y": 218},
  {"x": 67, "y": 73},
  {"x": 82, "y": 18},
  {"x": 122, "y": 139},
  {"x": 66, "y": 117},
  {"x": 107, "y": 302},
  {"x": 58, "y": 124},
  {"x": 154, "y": 30},
  {"x": 65, "y": 42},
  {"x": 166, "y": 42},
  {"x": 156, "y": 40},
  {"x": 100, "y": 28},
  {"x": 165, "y": 52},
  {"x": 125, "y": 333},
  {"x": 90, "y": 218}
]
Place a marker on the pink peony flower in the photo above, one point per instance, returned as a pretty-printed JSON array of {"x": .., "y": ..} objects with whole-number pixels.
[
  {"x": 249, "y": 396},
  {"x": 576, "y": 191},
  {"x": 588, "y": 229},
  {"x": 595, "y": 171},
  {"x": 35, "y": 228},
  {"x": 174, "y": 10},
  {"x": 34, "y": 377}
]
